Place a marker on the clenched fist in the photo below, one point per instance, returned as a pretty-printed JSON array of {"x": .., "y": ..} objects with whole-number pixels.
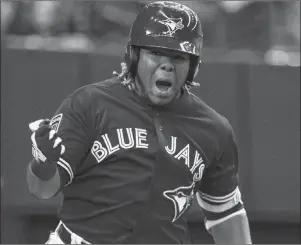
[{"x": 46, "y": 145}]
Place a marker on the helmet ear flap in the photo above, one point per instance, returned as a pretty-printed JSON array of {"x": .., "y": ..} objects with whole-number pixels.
[{"x": 193, "y": 69}]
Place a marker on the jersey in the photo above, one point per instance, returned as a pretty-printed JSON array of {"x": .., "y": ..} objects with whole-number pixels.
[{"x": 130, "y": 170}]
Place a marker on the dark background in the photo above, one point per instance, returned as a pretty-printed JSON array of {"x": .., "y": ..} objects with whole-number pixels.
[{"x": 250, "y": 74}]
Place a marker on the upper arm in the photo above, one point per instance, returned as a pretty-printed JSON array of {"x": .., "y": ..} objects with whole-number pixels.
[
  {"x": 72, "y": 123},
  {"x": 218, "y": 194}
]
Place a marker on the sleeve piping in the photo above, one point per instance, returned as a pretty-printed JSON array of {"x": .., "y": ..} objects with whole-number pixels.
[
  {"x": 218, "y": 206},
  {"x": 221, "y": 199},
  {"x": 65, "y": 165}
]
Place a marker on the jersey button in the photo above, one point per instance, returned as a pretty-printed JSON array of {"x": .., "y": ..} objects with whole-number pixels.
[{"x": 160, "y": 128}]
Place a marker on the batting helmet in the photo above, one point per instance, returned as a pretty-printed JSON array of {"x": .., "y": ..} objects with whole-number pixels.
[{"x": 167, "y": 25}]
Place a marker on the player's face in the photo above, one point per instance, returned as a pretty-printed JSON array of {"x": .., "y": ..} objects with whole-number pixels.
[{"x": 162, "y": 73}]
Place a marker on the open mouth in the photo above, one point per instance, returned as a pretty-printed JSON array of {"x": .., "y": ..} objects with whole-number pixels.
[{"x": 163, "y": 85}]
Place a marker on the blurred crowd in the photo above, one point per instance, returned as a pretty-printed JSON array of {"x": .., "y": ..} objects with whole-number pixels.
[{"x": 247, "y": 30}]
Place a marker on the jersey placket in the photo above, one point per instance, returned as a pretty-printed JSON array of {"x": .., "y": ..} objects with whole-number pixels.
[
  {"x": 160, "y": 165},
  {"x": 158, "y": 128}
]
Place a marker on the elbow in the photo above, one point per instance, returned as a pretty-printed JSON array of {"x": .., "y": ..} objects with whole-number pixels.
[
  {"x": 232, "y": 230},
  {"x": 229, "y": 218}
]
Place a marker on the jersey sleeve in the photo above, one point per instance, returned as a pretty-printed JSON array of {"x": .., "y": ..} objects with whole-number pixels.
[
  {"x": 71, "y": 123},
  {"x": 219, "y": 195}
]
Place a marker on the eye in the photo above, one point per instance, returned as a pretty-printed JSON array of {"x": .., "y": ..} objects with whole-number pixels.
[
  {"x": 155, "y": 52},
  {"x": 180, "y": 57}
]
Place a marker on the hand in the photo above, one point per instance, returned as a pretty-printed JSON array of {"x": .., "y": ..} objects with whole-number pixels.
[{"x": 46, "y": 145}]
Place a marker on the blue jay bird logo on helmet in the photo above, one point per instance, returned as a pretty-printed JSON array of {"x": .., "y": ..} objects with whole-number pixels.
[{"x": 173, "y": 24}]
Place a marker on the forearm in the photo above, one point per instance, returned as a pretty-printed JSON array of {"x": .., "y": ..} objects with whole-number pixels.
[
  {"x": 234, "y": 230},
  {"x": 43, "y": 180}
]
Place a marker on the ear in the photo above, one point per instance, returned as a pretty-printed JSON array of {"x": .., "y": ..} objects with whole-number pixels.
[{"x": 197, "y": 69}]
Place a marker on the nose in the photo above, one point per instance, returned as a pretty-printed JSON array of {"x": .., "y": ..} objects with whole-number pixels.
[{"x": 166, "y": 64}]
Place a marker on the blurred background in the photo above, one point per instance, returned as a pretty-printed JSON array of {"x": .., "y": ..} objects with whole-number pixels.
[
  {"x": 245, "y": 31},
  {"x": 250, "y": 73}
]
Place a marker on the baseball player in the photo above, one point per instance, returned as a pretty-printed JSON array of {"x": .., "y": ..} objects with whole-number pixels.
[{"x": 129, "y": 153}]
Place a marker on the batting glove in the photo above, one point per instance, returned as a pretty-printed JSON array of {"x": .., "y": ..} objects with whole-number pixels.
[{"x": 46, "y": 145}]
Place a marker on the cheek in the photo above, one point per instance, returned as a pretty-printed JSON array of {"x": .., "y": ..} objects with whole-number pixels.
[
  {"x": 182, "y": 72},
  {"x": 145, "y": 68}
]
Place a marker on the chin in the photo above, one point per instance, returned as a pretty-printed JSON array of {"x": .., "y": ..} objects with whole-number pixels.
[
  {"x": 162, "y": 97},
  {"x": 161, "y": 101}
]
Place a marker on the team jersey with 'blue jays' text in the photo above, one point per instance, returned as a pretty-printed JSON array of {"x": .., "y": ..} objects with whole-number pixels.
[{"x": 131, "y": 169}]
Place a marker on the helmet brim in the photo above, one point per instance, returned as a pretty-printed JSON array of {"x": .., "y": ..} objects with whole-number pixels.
[{"x": 169, "y": 43}]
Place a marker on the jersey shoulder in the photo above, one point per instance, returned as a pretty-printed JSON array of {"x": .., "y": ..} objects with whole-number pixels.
[
  {"x": 96, "y": 88},
  {"x": 220, "y": 122},
  {"x": 97, "y": 91}
]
